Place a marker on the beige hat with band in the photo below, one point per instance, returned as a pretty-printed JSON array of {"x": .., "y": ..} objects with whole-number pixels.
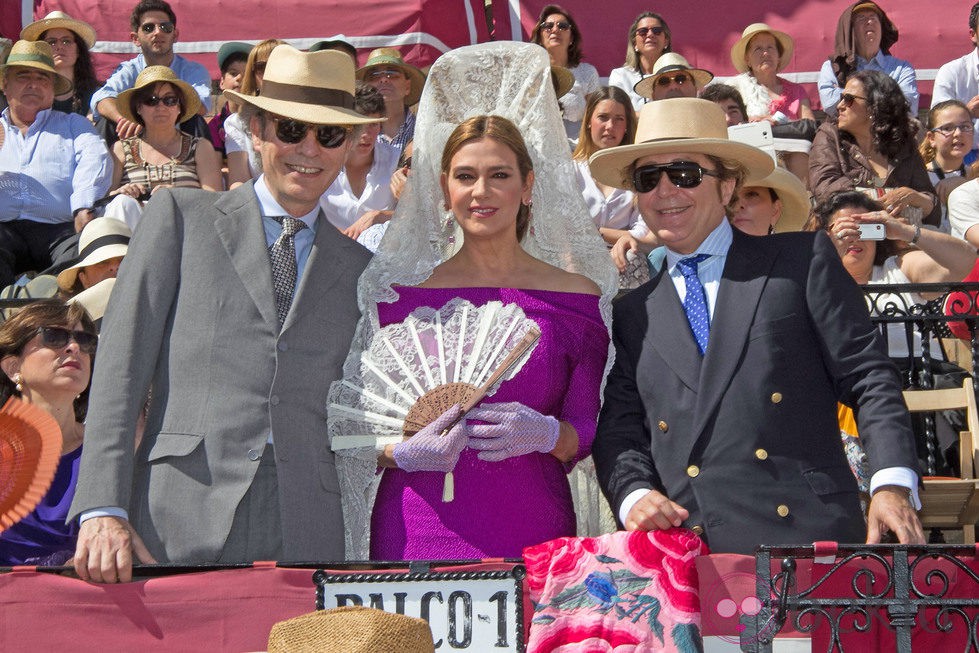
[
  {"x": 391, "y": 58},
  {"x": 668, "y": 63},
  {"x": 56, "y": 20},
  {"x": 740, "y": 49},
  {"x": 39, "y": 56},
  {"x": 312, "y": 87},
  {"x": 678, "y": 125},
  {"x": 794, "y": 197},
  {"x": 152, "y": 75},
  {"x": 100, "y": 240}
]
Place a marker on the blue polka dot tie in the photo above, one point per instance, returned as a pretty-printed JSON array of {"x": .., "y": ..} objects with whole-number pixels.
[{"x": 695, "y": 302}]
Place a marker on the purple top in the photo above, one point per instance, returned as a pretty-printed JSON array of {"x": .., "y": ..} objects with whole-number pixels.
[
  {"x": 42, "y": 537},
  {"x": 501, "y": 507}
]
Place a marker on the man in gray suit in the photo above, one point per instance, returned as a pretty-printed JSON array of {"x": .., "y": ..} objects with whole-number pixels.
[{"x": 234, "y": 313}]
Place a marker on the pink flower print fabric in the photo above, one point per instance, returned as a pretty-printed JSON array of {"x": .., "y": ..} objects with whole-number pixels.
[{"x": 626, "y": 591}]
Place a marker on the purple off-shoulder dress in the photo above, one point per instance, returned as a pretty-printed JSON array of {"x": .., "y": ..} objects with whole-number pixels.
[{"x": 501, "y": 507}]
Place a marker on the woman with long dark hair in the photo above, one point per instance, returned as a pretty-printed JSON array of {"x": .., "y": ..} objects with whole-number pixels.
[
  {"x": 871, "y": 146},
  {"x": 70, "y": 41}
]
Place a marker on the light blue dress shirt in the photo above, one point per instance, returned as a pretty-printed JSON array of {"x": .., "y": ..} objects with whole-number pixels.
[
  {"x": 303, "y": 239},
  {"x": 124, "y": 78},
  {"x": 899, "y": 70},
  {"x": 59, "y": 166}
]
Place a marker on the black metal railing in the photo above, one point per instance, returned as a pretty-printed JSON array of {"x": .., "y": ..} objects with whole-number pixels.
[{"x": 863, "y": 594}]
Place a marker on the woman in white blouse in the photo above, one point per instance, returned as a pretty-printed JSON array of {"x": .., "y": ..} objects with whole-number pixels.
[
  {"x": 557, "y": 32},
  {"x": 649, "y": 39},
  {"x": 361, "y": 195}
]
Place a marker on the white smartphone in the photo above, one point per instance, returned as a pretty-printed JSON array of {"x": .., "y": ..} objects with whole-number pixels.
[{"x": 872, "y": 231}]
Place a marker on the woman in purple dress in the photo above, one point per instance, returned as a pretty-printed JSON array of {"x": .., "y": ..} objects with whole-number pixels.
[
  {"x": 484, "y": 219},
  {"x": 46, "y": 354}
]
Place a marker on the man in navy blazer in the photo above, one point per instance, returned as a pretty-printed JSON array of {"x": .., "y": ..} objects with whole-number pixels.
[{"x": 720, "y": 410}]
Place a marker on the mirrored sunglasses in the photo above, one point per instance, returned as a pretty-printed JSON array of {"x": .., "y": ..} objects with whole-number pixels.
[
  {"x": 682, "y": 174},
  {"x": 58, "y": 337},
  {"x": 166, "y": 27},
  {"x": 291, "y": 131},
  {"x": 679, "y": 79},
  {"x": 562, "y": 26},
  {"x": 167, "y": 100}
]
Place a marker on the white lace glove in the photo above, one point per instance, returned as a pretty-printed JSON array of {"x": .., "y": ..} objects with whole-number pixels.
[
  {"x": 429, "y": 450},
  {"x": 513, "y": 430}
]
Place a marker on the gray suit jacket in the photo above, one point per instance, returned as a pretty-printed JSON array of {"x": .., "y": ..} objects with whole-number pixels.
[
  {"x": 193, "y": 316},
  {"x": 746, "y": 438}
]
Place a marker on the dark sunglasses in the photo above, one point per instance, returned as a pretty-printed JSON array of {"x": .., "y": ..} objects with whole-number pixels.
[
  {"x": 58, "y": 337},
  {"x": 682, "y": 174},
  {"x": 679, "y": 79},
  {"x": 846, "y": 99},
  {"x": 168, "y": 101},
  {"x": 643, "y": 31},
  {"x": 563, "y": 26},
  {"x": 149, "y": 28},
  {"x": 291, "y": 131}
]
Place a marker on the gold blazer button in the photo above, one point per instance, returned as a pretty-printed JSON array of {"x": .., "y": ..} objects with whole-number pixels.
[
  {"x": 693, "y": 471},
  {"x": 663, "y": 426},
  {"x": 776, "y": 397},
  {"x": 761, "y": 454},
  {"x": 782, "y": 510}
]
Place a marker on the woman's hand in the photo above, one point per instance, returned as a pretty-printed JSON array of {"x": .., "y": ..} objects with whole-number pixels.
[
  {"x": 429, "y": 450},
  {"x": 133, "y": 190},
  {"x": 366, "y": 221},
  {"x": 620, "y": 250},
  {"x": 898, "y": 199},
  {"x": 512, "y": 429},
  {"x": 895, "y": 228}
]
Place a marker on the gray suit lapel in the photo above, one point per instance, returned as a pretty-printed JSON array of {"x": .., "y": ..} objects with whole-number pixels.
[
  {"x": 669, "y": 333},
  {"x": 744, "y": 278},
  {"x": 239, "y": 227}
]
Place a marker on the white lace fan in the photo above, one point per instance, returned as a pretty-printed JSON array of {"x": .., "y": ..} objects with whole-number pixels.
[{"x": 415, "y": 370}]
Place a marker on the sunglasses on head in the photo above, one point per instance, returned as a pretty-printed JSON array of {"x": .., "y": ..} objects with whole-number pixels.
[
  {"x": 149, "y": 28},
  {"x": 562, "y": 26},
  {"x": 846, "y": 99},
  {"x": 682, "y": 174},
  {"x": 291, "y": 131},
  {"x": 679, "y": 79},
  {"x": 643, "y": 31},
  {"x": 58, "y": 337},
  {"x": 167, "y": 100}
]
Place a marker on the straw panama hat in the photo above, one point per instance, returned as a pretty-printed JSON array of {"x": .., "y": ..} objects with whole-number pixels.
[
  {"x": 678, "y": 125},
  {"x": 39, "y": 56},
  {"x": 666, "y": 64},
  {"x": 795, "y": 199},
  {"x": 55, "y": 20},
  {"x": 740, "y": 49},
  {"x": 100, "y": 240},
  {"x": 391, "y": 57},
  {"x": 312, "y": 87},
  {"x": 351, "y": 629},
  {"x": 152, "y": 75}
]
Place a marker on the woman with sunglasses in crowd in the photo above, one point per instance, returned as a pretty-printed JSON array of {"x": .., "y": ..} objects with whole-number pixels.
[
  {"x": 70, "y": 41},
  {"x": 649, "y": 38},
  {"x": 871, "y": 146},
  {"x": 243, "y": 162},
  {"x": 162, "y": 155},
  {"x": 557, "y": 32},
  {"x": 46, "y": 355}
]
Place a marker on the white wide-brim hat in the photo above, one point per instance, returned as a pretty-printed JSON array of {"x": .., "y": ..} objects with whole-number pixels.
[
  {"x": 678, "y": 125},
  {"x": 794, "y": 197},
  {"x": 312, "y": 87},
  {"x": 739, "y": 49},
  {"x": 100, "y": 240},
  {"x": 59, "y": 19},
  {"x": 668, "y": 63}
]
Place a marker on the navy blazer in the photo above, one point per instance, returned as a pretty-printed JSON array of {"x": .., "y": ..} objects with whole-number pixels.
[{"x": 746, "y": 438}]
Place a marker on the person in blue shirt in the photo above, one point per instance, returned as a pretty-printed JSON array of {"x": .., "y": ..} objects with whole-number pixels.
[
  {"x": 864, "y": 37},
  {"x": 154, "y": 32}
]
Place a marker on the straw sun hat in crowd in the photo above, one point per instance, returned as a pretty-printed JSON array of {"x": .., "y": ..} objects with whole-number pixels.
[
  {"x": 739, "y": 51},
  {"x": 678, "y": 125},
  {"x": 351, "y": 629},
  {"x": 668, "y": 63},
  {"x": 152, "y": 75},
  {"x": 56, "y": 20},
  {"x": 391, "y": 58},
  {"x": 38, "y": 56}
]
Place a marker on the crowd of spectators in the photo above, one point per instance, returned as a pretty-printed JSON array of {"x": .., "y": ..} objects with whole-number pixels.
[{"x": 79, "y": 159}]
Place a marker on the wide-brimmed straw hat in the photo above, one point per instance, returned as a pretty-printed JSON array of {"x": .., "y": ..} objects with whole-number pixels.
[
  {"x": 152, "y": 75},
  {"x": 669, "y": 62},
  {"x": 351, "y": 629},
  {"x": 794, "y": 196},
  {"x": 739, "y": 49},
  {"x": 100, "y": 240},
  {"x": 391, "y": 58},
  {"x": 313, "y": 87},
  {"x": 59, "y": 19},
  {"x": 563, "y": 80},
  {"x": 678, "y": 125},
  {"x": 39, "y": 56}
]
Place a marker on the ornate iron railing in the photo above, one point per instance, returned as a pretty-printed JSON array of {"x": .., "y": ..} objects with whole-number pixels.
[{"x": 862, "y": 594}]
